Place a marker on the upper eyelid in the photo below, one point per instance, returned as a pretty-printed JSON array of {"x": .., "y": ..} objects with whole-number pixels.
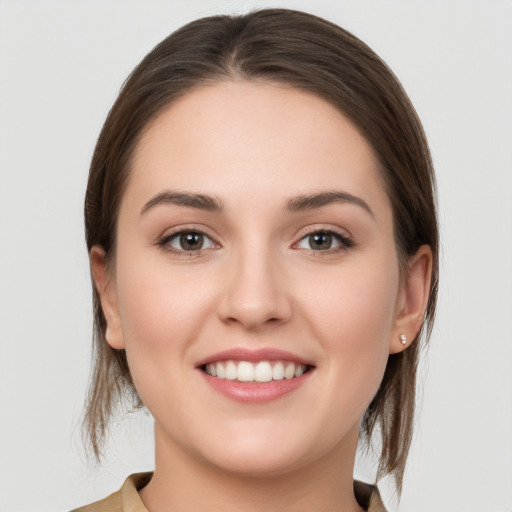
[
  {"x": 301, "y": 234},
  {"x": 174, "y": 234},
  {"x": 164, "y": 242},
  {"x": 344, "y": 239},
  {"x": 169, "y": 233},
  {"x": 309, "y": 230}
]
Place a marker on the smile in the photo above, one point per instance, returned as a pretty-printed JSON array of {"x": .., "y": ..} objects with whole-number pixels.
[
  {"x": 255, "y": 376},
  {"x": 262, "y": 371}
]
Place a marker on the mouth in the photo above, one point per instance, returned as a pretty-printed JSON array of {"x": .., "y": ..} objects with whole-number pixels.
[
  {"x": 255, "y": 376},
  {"x": 256, "y": 371}
]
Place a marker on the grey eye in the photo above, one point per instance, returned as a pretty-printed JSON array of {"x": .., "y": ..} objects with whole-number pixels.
[
  {"x": 190, "y": 241},
  {"x": 319, "y": 241}
]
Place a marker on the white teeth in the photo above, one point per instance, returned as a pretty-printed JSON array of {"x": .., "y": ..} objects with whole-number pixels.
[
  {"x": 264, "y": 371},
  {"x": 221, "y": 373},
  {"x": 278, "y": 371},
  {"x": 289, "y": 371},
  {"x": 245, "y": 372},
  {"x": 231, "y": 370}
]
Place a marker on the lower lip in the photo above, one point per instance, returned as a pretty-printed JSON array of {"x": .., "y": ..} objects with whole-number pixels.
[{"x": 255, "y": 392}]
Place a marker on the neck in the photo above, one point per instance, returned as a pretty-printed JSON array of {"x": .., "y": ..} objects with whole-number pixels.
[{"x": 182, "y": 482}]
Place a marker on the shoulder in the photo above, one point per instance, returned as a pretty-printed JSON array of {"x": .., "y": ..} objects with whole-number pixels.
[
  {"x": 112, "y": 503},
  {"x": 368, "y": 497},
  {"x": 124, "y": 500}
]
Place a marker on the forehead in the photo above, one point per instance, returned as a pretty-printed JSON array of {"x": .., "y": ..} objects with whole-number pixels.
[{"x": 271, "y": 140}]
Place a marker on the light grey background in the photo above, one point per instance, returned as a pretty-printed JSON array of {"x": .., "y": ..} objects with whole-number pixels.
[{"x": 61, "y": 65}]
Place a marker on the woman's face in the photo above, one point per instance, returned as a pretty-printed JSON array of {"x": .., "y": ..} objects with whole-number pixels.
[{"x": 255, "y": 240}]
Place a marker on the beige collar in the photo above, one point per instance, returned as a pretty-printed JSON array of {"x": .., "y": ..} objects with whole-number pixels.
[{"x": 127, "y": 499}]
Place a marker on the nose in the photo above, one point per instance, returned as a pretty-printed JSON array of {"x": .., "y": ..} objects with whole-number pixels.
[{"x": 254, "y": 291}]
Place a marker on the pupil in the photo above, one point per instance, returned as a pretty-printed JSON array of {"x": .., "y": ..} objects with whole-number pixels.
[
  {"x": 320, "y": 241},
  {"x": 191, "y": 241}
]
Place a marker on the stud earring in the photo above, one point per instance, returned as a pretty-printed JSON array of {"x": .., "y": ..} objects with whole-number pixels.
[{"x": 403, "y": 339}]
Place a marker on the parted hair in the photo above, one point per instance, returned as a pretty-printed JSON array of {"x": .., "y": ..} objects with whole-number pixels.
[{"x": 311, "y": 54}]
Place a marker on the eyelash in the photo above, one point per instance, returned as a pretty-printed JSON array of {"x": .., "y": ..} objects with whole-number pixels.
[
  {"x": 164, "y": 242},
  {"x": 345, "y": 242}
]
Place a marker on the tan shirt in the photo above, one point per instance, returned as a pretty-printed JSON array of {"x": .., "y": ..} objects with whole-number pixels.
[{"x": 127, "y": 499}]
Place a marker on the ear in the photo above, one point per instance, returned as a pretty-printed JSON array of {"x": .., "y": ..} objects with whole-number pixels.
[
  {"x": 412, "y": 300},
  {"x": 105, "y": 286}
]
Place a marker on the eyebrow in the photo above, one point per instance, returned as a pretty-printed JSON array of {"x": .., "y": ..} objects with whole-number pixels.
[
  {"x": 312, "y": 201},
  {"x": 199, "y": 201},
  {"x": 295, "y": 204}
]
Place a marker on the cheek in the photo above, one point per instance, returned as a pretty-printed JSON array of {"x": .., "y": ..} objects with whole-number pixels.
[
  {"x": 353, "y": 319},
  {"x": 354, "y": 306},
  {"x": 157, "y": 305},
  {"x": 161, "y": 316},
  {"x": 162, "y": 312}
]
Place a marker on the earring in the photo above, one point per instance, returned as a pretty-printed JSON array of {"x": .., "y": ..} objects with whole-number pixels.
[{"x": 403, "y": 339}]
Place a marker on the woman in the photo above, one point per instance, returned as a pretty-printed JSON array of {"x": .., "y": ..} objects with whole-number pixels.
[{"x": 261, "y": 224}]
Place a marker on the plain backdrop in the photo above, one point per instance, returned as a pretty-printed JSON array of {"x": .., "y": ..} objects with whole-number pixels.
[{"x": 61, "y": 66}]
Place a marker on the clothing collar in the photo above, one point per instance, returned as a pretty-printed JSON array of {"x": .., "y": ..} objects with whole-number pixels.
[{"x": 367, "y": 495}]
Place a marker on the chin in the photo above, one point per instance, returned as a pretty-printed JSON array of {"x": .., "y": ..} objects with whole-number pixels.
[
  {"x": 271, "y": 452},
  {"x": 250, "y": 464}
]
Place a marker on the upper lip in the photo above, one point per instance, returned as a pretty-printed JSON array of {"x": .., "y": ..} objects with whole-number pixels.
[{"x": 261, "y": 354}]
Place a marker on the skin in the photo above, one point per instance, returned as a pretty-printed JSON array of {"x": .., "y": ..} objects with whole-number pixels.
[{"x": 257, "y": 282}]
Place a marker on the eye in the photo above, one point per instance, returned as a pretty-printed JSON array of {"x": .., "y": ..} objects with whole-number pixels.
[
  {"x": 324, "y": 240},
  {"x": 187, "y": 241}
]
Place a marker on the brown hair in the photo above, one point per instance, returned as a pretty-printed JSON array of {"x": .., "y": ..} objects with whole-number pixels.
[{"x": 308, "y": 53}]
